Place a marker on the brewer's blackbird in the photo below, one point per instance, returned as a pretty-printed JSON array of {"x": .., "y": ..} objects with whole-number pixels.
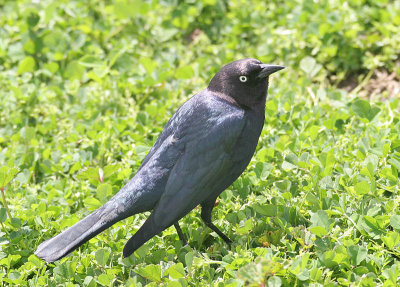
[{"x": 202, "y": 150}]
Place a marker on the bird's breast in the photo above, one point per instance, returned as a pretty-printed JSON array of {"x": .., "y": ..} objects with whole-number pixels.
[{"x": 247, "y": 141}]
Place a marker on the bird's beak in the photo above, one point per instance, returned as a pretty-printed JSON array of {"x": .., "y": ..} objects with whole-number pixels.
[{"x": 268, "y": 70}]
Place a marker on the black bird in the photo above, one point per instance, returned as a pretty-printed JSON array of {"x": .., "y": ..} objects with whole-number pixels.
[{"x": 202, "y": 150}]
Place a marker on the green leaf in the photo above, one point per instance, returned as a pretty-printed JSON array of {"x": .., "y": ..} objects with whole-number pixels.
[
  {"x": 91, "y": 203},
  {"x": 274, "y": 281},
  {"x": 357, "y": 254},
  {"x": 189, "y": 259},
  {"x": 7, "y": 174},
  {"x": 3, "y": 214},
  {"x": 23, "y": 177},
  {"x": 176, "y": 271},
  {"x": 148, "y": 64},
  {"x": 310, "y": 66},
  {"x": 265, "y": 209},
  {"x": 391, "y": 239},
  {"x": 246, "y": 227},
  {"x": 74, "y": 71},
  {"x": 362, "y": 188},
  {"x": 105, "y": 279},
  {"x": 321, "y": 218},
  {"x": 395, "y": 221},
  {"x": 91, "y": 61},
  {"x": 33, "y": 19},
  {"x": 250, "y": 273},
  {"x": 91, "y": 173},
  {"x": 361, "y": 108},
  {"x": 126, "y": 9},
  {"x": 103, "y": 191},
  {"x": 89, "y": 281},
  {"x": 184, "y": 72},
  {"x": 14, "y": 275},
  {"x": 27, "y": 65},
  {"x": 151, "y": 272},
  {"x": 102, "y": 256},
  {"x": 387, "y": 173},
  {"x": 263, "y": 170},
  {"x": 299, "y": 267},
  {"x": 364, "y": 110},
  {"x": 65, "y": 269},
  {"x": 318, "y": 230},
  {"x": 110, "y": 170},
  {"x": 52, "y": 67}
]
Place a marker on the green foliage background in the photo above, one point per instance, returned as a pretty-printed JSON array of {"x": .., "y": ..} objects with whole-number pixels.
[{"x": 87, "y": 86}]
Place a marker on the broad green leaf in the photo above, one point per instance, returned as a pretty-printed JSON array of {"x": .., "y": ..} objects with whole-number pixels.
[
  {"x": 91, "y": 61},
  {"x": 74, "y": 71},
  {"x": 263, "y": 170},
  {"x": 23, "y": 177},
  {"x": 395, "y": 221},
  {"x": 176, "y": 271},
  {"x": 271, "y": 106},
  {"x": 89, "y": 281},
  {"x": 321, "y": 218},
  {"x": 250, "y": 273},
  {"x": 151, "y": 272},
  {"x": 246, "y": 227},
  {"x": 391, "y": 239},
  {"x": 299, "y": 267},
  {"x": 103, "y": 191},
  {"x": 362, "y": 188},
  {"x": 105, "y": 279},
  {"x": 318, "y": 230},
  {"x": 184, "y": 72},
  {"x": 388, "y": 174},
  {"x": 310, "y": 66},
  {"x": 27, "y": 65},
  {"x": 90, "y": 173},
  {"x": 274, "y": 281},
  {"x": 92, "y": 203},
  {"x": 357, "y": 254},
  {"x": 148, "y": 64},
  {"x": 364, "y": 110},
  {"x": 7, "y": 174},
  {"x": 65, "y": 269},
  {"x": 189, "y": 260},
  {"x": 265, "y": 209},
  {"x": 33, "y": 19},
  {"x": 102, "y": 256},
  {"x": 110, "y": 170}
]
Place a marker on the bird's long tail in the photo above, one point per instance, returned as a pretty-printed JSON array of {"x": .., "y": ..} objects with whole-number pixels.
[{"x": 62, "y": 244}]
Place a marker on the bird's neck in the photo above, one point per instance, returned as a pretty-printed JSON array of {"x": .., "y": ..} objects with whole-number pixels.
[
  {"x": 226, "y": 98},
  {"x": 256, "y": 104}
]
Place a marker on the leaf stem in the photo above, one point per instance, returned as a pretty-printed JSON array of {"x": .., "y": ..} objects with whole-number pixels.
[{"x": 5, "y": 202}]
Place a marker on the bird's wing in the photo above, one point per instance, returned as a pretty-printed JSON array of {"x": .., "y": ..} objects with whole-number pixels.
[
  {"x": 205, "y": 160},
  {"x": 170, "y": 127},
  {"x": 208, "y": 137}
]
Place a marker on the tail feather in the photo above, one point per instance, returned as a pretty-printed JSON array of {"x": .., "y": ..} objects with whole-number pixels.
[
  {"x": 145, "y": 233},
  {"x": 67, "y": 241}
]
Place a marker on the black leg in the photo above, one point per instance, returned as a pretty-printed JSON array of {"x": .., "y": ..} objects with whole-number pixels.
[
  {"x": 206, "y": 209},
  {"x": 180, "y": 233}
]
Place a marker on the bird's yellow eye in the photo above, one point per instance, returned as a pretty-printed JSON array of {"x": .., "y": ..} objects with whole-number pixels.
[{"x": 243, "y": 79}]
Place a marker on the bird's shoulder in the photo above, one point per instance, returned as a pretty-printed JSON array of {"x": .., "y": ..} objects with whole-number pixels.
[
  {"x": 203, "y": 118},
  {"x": 205, "y": 113},
  {"x": 208, "y": 106}
]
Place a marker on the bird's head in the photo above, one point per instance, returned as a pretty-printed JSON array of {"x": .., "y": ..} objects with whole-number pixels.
[{"x": 245, "y": 81}]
